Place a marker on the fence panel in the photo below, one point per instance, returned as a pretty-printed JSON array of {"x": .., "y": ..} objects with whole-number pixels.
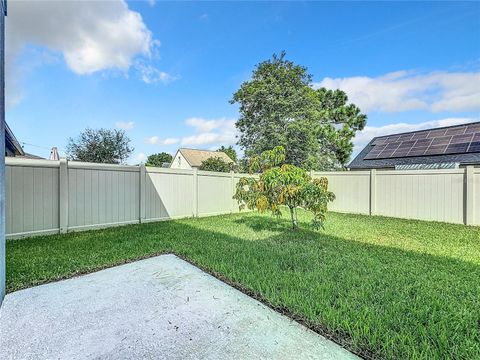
[
  {"x": 351, "y": 189},
  {"x": 102, "y": 195},
  {"x": 169, "y": 193},
  {"x": 32, "y": 201},
  {"x": 425, "y": 195},
  {"x": 214, "y": 193}
]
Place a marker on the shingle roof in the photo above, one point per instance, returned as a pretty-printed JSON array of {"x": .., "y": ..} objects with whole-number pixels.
[
  {"x": 196, "y": 157},
  {"x": 362, "y": 161}
]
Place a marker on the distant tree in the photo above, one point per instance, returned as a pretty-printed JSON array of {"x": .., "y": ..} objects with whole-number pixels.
[
  {"x": 100, "y": 146},
  {"x": 215, "y": 164},
  {"x": 242, "y": 165},
  {"x": 157, "y": 160},
  {"x": 280, "y": 107},
  {"x": 281, "y": 185},
  {"x": 230, "y": 151}
]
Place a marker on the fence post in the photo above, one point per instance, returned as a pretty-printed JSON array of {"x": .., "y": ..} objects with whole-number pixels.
[
  {"x": 469, "y": 195},
  {"x": 232, "y": 188},
  {"x": 373, "y": 191},
  {"x": 195, "y": 192},
  {"x": 143, "y": 180},
  {"x": 63, "y": 195}
]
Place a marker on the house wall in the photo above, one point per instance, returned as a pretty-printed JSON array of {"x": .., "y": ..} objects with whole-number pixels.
[
  {"x": 48, "y": 197},
  {"x": 179, "y": 162},
  {"x": 450, "y": 195},
  {"x": 2, "y": 151}
]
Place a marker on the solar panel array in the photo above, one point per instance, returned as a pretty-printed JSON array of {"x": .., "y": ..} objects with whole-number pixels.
[{"x": 452, "y": 140}]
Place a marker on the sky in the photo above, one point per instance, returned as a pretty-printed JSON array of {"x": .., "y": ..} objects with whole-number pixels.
[{"x": 165, "y": 71}]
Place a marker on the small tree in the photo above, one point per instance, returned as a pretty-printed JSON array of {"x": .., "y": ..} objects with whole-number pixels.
[
  {"x": 230, "y": 151},
  {"x": 157, "y": 160},
  {"x": 283, "y": 185},
  {"x": 100, "y": 146},
  {"x": 215, "y": 164}
]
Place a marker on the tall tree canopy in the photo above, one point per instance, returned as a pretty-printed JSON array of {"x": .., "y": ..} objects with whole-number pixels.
[
  {"x": 100, "y": 146},
  {"x": 159, "y": 159},
  {"x": 280, "y": 107},
  {"x": 230, "y": 151}
]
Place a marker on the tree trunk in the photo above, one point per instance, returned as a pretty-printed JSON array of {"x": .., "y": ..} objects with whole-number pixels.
[{"x": 293, "y": 214}]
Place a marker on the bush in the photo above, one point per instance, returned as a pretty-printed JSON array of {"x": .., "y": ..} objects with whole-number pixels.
[
  {"x": 215, "y": 164},
  {"x": 285, "y": 185}
]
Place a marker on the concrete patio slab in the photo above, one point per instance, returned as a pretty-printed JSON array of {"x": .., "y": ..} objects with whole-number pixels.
[{"x": 159, "y": 308}]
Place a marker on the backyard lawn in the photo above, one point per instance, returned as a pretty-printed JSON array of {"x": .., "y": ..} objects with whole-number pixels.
[{"x": 382, "y": 287}]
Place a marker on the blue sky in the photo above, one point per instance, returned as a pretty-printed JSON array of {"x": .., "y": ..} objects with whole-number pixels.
[{"x": 165, "y": 71}]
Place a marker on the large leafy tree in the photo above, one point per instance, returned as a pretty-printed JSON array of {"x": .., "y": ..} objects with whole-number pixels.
[
  {"x": 279, "y": 106},
  {"x": 157, "y": 160},
  {"x": 230, "y": 151},
  {"x": 282, "y": 184},
  {"x": 100, "y": 146}
]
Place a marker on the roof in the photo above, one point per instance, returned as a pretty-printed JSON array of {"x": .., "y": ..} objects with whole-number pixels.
[
  {"x": 30, "y": 156},
  {"x": 195, "y": 157},
  {"x": 11, "y": 142},
  {"x": 420, "y": 147}
]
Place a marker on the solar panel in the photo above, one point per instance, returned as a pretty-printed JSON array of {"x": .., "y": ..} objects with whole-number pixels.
[
  {"x": 473, "y": 128},
  {"x": 456, "y": 131},
  {"x": 475, "y": 144},
  {"x": 445, "y": 141}
]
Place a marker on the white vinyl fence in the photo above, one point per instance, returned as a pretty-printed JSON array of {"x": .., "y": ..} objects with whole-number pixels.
[
  {"x": 47, "y": 197},
  {"x": 451, "y": 195}
]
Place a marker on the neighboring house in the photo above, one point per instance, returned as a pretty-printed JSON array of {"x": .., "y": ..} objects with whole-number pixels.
[
  {"x": 12, "y": 146},
  {"x": 440, "y": 148},
  {"x": 193, "y": 158}
]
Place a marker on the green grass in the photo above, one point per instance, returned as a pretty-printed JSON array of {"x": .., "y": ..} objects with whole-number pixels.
[{"x": 386, "y": 288}]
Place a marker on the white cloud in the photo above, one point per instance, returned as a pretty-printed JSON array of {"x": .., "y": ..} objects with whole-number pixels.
[
  {"x": 90, "y": 35},
  {"x": 369, "y": 132},
  {"x": 125, "y": 125},
  {"x": 154, "y": 140},
  {"x": 170, "y": 141},
  {"x": 403, "y": 91},
  {"x": 151, "y": 75},
  {"x": 210, "y": 131},
  {"x": 141, "y": 157}
]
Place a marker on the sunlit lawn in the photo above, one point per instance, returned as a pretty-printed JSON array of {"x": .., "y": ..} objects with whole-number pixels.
[{"x": 383, "y": 287}]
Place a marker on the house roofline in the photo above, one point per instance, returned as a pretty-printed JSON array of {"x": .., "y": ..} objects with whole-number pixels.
[{"x": 10, "y": 136}]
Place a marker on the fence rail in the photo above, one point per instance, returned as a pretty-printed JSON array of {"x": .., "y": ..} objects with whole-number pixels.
[
  {"x": 47, "y": 197},
  {"x": 449, "y": 195}
]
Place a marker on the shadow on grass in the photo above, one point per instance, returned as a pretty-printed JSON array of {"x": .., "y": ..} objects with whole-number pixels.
[{"x": 374, "y": 300}]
